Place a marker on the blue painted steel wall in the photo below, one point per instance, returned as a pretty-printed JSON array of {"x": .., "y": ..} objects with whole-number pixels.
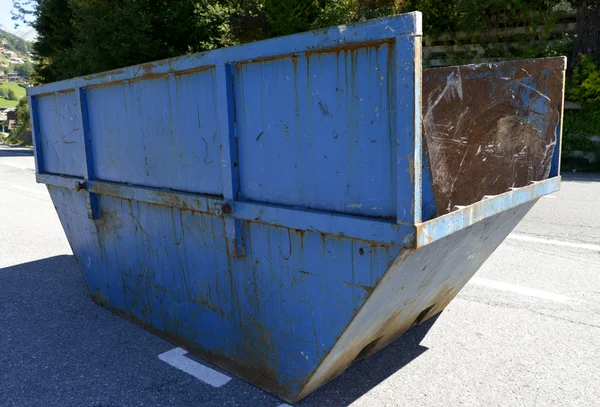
[
  {"x": 59, "y": 118},
  {"x": 314, "y": 131},
  {"x": 166, "y": 128}
]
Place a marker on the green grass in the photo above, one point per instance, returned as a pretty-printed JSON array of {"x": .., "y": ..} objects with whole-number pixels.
[
  {"x": 8, "y": 103},
  {"x": 20, "y": 91}
]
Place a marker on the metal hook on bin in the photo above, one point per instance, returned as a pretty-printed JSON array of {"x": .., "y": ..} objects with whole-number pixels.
[
  {"x": 81, "y": 186},
  {"x": 222, "y": 209}
]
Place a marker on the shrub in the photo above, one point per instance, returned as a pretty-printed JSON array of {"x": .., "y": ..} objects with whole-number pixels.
[
  {"x": 584, "y": 86},
  {"x": 11, "y": 95},
  {"x": 584, "y": 122}
]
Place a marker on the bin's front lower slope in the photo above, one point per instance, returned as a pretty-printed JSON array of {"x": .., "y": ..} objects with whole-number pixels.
[{"x": 293, "y": 313}]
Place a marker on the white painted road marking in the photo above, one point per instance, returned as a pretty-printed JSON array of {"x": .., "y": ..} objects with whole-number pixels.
[
  {"x": 585, "y": 246},
  {"x": 548, "y": 196},
  {"x": 530, "y": 292},
  {"x": 176, "y": 358}
]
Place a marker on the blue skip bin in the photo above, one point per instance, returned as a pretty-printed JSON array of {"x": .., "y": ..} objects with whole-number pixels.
[{"x": 285, "y": 208}]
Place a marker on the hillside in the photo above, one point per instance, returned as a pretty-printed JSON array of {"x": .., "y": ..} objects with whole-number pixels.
[
  {"x": 15, "y": 63},
  {"x": 13, "y": 43},
  {"x": 25, "y": 32}
]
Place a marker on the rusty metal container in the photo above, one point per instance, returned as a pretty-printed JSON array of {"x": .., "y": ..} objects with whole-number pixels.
[{"x": 287, "y": 207}]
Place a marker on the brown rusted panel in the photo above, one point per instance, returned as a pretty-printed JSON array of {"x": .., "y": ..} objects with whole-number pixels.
[{"x": 490, "y": 127}]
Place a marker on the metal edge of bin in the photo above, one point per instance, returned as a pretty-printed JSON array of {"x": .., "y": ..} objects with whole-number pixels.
[
  {"x": 371, "y": 230},
  {"x": 381, "y": 232},
  {"x": 380, "y": 29},
  {"x": 464, "y": 216}
]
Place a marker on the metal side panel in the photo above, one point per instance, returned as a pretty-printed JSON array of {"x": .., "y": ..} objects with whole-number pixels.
[
  {"x": 60, "y": 134},
  {"x": 158, "y": 132},
  {"x": 419, "y": 284},
  {"x": 293, "y": 313},
  {"x": 314, "y": 130},
  {"x": 462, "y": 217},
  {"x": 269, "y": 317}
]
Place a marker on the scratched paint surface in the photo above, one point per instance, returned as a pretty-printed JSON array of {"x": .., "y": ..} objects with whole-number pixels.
[
  {"x": 314, "y": 130},
  {"x": 490, "y": 127},
  {"x": 61, "y": 134},
  {"x": 165, "y": 127}
]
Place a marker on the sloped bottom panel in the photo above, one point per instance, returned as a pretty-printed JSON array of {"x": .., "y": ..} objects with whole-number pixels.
[{"x": 419, "y": 285}]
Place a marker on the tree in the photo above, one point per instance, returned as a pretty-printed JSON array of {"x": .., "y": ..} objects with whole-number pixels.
[
  {"x": 22, "y": 132},
  {"x": 23, "y": 121},
  {"x": 291, "y": 16},
  {"x": 248, "y": 22},
  {"x": 587, "y": 31},
  {"x": 439, "y": 17},
  {"x": 53, "y": 49},
  {"x": 11, "y": 95},
  {"x": 78, "y": 37}
]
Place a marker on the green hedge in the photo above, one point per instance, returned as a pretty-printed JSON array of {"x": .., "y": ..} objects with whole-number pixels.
[
  {"x": 578, "y": 126},
  {"x": 583, "y": 122}
]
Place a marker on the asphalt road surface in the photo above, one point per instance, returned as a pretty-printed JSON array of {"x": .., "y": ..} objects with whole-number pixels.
[{"x": 524, "y": 332}]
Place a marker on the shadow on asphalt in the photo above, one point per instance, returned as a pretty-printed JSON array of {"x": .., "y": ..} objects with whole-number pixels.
[
  {"x": 580, "y": 177},
  {"x": 62, "y": 349},
  {"x": 365, "y": 375},
  {"x": 21, "y": 152}
]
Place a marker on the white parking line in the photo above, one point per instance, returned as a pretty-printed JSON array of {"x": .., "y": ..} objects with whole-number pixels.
[
  {"x": 176, "y": 358},
  {"x": 530, "y": 292},
  {"x": 549, "y": 196},
  {"x": 525, "y": 238}
]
